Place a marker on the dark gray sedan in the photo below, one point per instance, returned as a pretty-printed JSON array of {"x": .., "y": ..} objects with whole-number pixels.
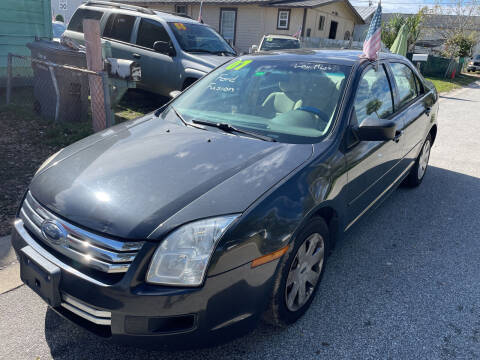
[{"x": 192, "y": 223}]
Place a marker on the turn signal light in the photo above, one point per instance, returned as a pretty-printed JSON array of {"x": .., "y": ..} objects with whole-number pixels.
[{"x": 269, "y": 257}]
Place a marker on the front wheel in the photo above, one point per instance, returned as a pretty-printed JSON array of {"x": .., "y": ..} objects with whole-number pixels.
[
  {"x": 298, "y": 275},
  {"x": 417, "y": 173}
]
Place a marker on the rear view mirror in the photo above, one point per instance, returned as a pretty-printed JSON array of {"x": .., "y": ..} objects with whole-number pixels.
[
  {"x": 375, "y": 129},
  {"x": 164, "y": 47}
]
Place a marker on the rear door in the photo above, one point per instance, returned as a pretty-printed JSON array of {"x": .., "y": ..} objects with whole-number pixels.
[
  {"x": 373, "y": 166},
  {"x": 119, "y": 31},
  {"x": 412, "y": 107},
  {"x": 159, "y": 71}
]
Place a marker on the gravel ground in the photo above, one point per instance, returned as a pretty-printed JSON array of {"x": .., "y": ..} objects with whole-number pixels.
[{"x": 402, "y": 285}]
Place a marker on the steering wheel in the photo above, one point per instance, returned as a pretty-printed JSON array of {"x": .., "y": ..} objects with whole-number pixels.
[{"x": 313, "y": 110}]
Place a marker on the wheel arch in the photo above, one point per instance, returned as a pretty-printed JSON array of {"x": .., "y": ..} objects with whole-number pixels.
[{"x": 433, "y": 132}]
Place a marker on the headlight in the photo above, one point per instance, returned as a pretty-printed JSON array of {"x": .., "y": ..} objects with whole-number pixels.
[
  {"x": 470, "y": 63},
  {"x": 47, "y": 162},
  {"x": 182, "y": 258}
]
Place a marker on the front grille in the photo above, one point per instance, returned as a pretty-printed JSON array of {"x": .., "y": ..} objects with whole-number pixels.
[
  {"x": 96, "y": 252},
  {"x": 476, "y": 63}
]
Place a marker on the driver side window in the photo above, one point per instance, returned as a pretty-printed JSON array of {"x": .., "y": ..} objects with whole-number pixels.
[{"x": 374, "y": 95}]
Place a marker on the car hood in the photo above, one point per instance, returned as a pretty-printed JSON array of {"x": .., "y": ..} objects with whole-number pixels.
[
  {"x": 138, "y": 177},
  {"x": 204, "y": 62}
]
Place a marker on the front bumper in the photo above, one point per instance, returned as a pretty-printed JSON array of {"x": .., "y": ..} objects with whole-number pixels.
[
  {"x": 131, "y": 311},
  {"x": 473, "y": 67}
]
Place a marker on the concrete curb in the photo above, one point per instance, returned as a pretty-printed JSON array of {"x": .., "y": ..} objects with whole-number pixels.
[{"x": 9, "y": 266}]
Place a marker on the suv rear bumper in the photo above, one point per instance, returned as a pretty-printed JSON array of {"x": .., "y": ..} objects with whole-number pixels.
[{"x": 131, "y": 311}]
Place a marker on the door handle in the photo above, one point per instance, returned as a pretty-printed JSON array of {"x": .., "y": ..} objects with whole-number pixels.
[
  {"x": 428, "y": 110},
  {"x": 136, "y": 56},
  {"x": 398, "y": 134}
]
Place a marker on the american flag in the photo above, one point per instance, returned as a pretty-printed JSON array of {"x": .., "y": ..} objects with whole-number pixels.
[
  {"x": 298, "y": 33},
  {"x": 200, "y": 13},
  {"x": 372, "y": 43}
]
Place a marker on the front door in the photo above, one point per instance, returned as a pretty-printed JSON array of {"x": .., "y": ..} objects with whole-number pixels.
[
  {"x": 333, "y": 30},
  {"x": 228, "y": 20},
  {"x": 159, "y": 71},
  {"x": 373, "y": 166}
]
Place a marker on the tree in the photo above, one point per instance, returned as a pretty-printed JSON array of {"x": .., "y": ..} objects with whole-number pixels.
[
  {"x": 59, "y": 18},
  {"x": 413, "y": 23},
  {"x": 457, "y": 26},
  {"x": 459, "y": 45}
]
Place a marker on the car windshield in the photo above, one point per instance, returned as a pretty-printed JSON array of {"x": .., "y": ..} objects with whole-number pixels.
[
  {"x": 200, "y": 38},
  {"x": 270, "y": 43},
  {"x": 289, "y": 101}
]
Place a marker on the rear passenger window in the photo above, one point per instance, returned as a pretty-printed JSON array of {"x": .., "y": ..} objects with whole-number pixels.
[
  {"x": 76, "y": 23},
  {"x": 149, "y": 32},
  {"x": 374, "y": 95},
  {"x": 119, "y": 27},
  {"x": 405, "y": 80}
]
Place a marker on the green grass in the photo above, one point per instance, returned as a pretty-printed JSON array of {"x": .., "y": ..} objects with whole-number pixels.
[{"x": 446, "y": 85}]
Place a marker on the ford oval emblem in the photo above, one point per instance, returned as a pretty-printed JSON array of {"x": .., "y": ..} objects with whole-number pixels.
[{"x": 54, "y": 232}]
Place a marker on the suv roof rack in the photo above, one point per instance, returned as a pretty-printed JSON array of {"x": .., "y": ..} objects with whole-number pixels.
[{"x": 120, "y": 6}]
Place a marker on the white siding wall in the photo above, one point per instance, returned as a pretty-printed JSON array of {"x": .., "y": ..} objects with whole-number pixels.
[
  {"x": 71, "y": 6},
  {"x": 254, "y": 21}
]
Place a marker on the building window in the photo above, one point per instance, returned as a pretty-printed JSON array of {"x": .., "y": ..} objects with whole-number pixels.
[
  {"x": 181, "y": 9},
  {"x": 283, "y": 19},
  {"x": 321, "y": 22},
  {"x": 228, "y": 24}
]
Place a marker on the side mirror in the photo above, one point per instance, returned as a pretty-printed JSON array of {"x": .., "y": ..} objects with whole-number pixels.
[
  {"x": 164, "y": 47},
  {"x": 173, "y": 94},
  {"x": 253, "y": 49},
  {"x": 375, "y": 129}
]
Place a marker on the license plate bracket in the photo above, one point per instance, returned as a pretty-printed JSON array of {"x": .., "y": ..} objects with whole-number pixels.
[{"x": 40, "y": 275}]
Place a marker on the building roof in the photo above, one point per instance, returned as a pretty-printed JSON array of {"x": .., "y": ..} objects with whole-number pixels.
[
  {"x": 272, "y": 3},
  {"x": 365, "y": 11}
]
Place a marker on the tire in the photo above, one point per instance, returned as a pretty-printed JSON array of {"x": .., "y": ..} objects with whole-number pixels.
[
  {"x": 282, "y": 312},
  {"x": 419, "y": 169}
]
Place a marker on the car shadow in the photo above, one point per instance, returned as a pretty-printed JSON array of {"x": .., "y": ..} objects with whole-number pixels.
[{"x": 375, "y": 284}]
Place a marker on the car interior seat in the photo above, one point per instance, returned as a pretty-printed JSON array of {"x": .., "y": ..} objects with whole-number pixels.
[{"x": 287, "y": 99}]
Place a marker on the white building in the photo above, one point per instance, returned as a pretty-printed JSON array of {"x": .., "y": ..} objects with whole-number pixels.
[{"x": 66, "y": 8}]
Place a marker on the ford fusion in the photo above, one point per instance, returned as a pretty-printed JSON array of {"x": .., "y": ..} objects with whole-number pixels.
[{"x": 192, "y": 223}]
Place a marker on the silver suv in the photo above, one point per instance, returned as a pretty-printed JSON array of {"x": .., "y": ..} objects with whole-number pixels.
[{"x": 172, "y": 50}]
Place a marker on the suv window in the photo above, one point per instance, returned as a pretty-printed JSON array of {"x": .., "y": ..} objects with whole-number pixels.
[
  {"x": 405, "y": 80},
  {"x": 374, "y": 95},
  {"x": 150, "y": 31},
  {"x": 76, "y": 23},
  {"x": 119, "y": 27}
]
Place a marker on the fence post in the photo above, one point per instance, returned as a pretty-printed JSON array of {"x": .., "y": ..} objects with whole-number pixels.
[
  {"x": 9, "y": 77},
  {"x": 106, "y": 95},
  {"x": 95, "y": 63}
]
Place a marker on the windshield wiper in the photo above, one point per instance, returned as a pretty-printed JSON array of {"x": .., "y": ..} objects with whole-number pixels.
[
  {"x": 200, "y": 50},
  {"x": 222, "y": 52},
  {"x": 186, "y": 123},
  {"x": 229, "y": 128}
]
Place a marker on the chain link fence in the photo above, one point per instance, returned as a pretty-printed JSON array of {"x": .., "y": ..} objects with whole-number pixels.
[{"x": 58, "y": 92}]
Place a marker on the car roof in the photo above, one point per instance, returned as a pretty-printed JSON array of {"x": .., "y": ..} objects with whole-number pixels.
[
  {"x": 333, "y": 56},
  {"x": 130, "y": 10},
  {"x": 278, "y": 36}
]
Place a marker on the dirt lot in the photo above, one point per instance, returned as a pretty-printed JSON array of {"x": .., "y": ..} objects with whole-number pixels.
[{"x": 26, "y": 140}]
